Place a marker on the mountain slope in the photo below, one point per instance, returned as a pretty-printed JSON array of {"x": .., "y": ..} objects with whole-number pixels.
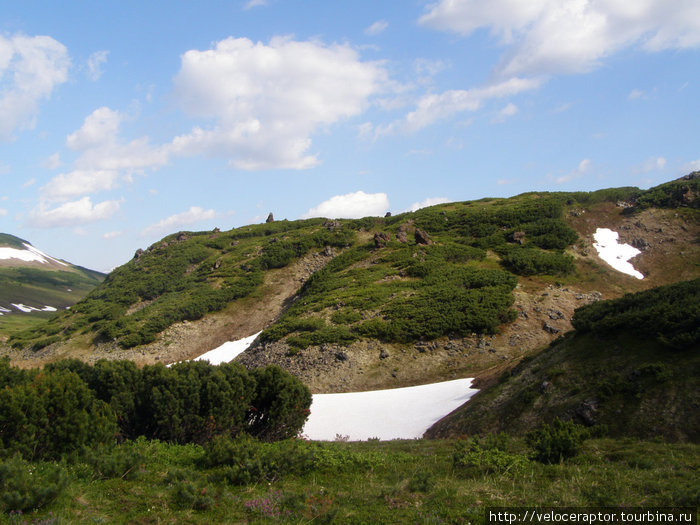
[
  {"x": 632, "y": 366},
  {"x": 34, "y": 284},
  {"x": 443, "y": 292}
]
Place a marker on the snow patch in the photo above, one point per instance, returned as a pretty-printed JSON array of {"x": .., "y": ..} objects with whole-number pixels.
[
  {"x": 24, "y": 308},
  {"x": 28, "y": 255},
  {"x": 399, "y": 413},
  {"x": 615, "y": 254},
  {"x": 228, "y": 351}
]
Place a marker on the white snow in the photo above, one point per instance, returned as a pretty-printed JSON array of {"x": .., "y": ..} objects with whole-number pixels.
[
  {"x": 228, "y": 351},
  {"x": 48, "y": 309},
  {"x": 399, "y": 413},
  {"x": 24, "y": 308},
  {"x": 4, "y": 310},
  {"x": 28, "y": 255},
  {"x": 615, "y": 254}
]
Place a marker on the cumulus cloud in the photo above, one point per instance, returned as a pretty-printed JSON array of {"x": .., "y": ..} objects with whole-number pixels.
[
  {"x": 378, "y": 27},
  {"x": 193, "y": 215},
  {"x": 104, "y": 160},
  {"x": 569, "y": 36},
  {"x": 72, "y": 213},
  {"x": 430, "y": 201},
  {"x": 351, "y": 206},
  {"x": 265, "y": 101},
  {"x": 94, "y": 64},
  {"x": 433, "y": 107},
  {"x": 112, "y": 235},
  {"x": 31, "y": 68}
]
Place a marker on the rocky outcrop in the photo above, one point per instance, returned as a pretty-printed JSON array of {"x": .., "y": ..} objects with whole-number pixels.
[
  {"x": 270, "y": 218},
  {"x": 381, "y": 239},
  {"x": 422, "y": 237}
]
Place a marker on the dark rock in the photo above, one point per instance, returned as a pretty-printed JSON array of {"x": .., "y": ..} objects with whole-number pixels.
[
  {"x": 332, "y": 225},
  {"x": 549, "y": 328},
  {"x": 270, "y": 218},
  {"x": 383, "y": 354},
  {"x": 422, "y": 237},
  {"x": 217, "y": 264},
  {"x": 555, "y": 314},
  {"x": 341, "y": 356},
  {"x": 388, "y": 214},
  {"x": 640, "y": 244},
  {"x": 327, "y": 251},
  {"x": 381, "y": 239},
  {"x": 519, "y": 237},
  {"x": 216, "y": 230},
  {"x": 587, "y": 411},
  {"x": 138, "y": 253},
  {"x": 545, "y": 387},
  {"x": 182, "y": 236},
  {"x": 401, "y": 236}
]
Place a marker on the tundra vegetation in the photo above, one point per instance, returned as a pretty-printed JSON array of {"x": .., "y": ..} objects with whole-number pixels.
[{"x": 605, "y": 416}]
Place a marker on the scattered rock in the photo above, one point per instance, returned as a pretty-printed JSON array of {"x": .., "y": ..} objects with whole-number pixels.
[
  {"x": 587, "y": 411},
  {"x": 422, "y": 237},
  {"x": 270, "y": 218},
  {"x": 383, "y": 354},
  {"x": 388, "y": 214},
  {"x": 549, "y": 328},
  {"x": 217, "y": 264},
  {"x": 545, "y": 387},
  {"x": 327, "y": 251},
  {"x": 381, "y": 239},
  {"x": 640, "y": 244},
  {"x": 138, "y": 253},
  {"x": 519, "y": 237},
  {"x": 341, "y": 356},
  {"x": 332, "y": 225},
  {"x": 554, "y": 315},
  {"x": 182, "y": 236}
]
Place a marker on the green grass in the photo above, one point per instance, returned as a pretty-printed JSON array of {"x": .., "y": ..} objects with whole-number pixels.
[{"x": 369, "y": 482}]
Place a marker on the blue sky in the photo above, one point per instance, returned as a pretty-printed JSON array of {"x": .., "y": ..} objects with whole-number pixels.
[{"x": 122, "y": 122}]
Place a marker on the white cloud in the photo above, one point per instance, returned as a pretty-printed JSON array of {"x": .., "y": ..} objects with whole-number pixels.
[
  {"x": 104, "y": 160},
  {"x": 430, "y": 201},
  {"x": 3, "y": 212},
  {"x": 193, "y": 215},
  {"x": 72, "y": 213},
  {"x": 693, "y": 165},
  {"x": 31, "y": 67},
  {"x": 378, "y": 27},
  {"x": 635, "y": 94},
  {"x": 53, "y": 162},
  {"x": 654, "y": 163},
  {"x": 434, "y": 107},
  {"x": 29, "y": 183},
  {"x": 582, "y": 168},
  {"x": 569, "y": 36},
  {"x": 112, "y": 235},
  {"x": 351, "y": 206},
  {"x": 94, "y": 64},
  {"x": 267, "y": 100},
  {"x": 508, "y": 111},
  {"x": 255, "y": 3}
]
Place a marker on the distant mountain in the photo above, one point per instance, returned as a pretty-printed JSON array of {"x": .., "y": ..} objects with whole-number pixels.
[
  {"x": 35, "y": 284},
  {"x": 454, "y": 290}
]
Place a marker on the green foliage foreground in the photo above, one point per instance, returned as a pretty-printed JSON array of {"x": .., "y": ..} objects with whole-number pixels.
[{"x": 242, "y": 480}]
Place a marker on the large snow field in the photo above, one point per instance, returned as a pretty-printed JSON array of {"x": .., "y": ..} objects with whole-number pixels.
[
  {"x": 399, "y": 413},
  {"x": 615, "y": 254}
]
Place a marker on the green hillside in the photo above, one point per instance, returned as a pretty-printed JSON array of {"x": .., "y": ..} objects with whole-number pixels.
[
  {"x": 440, "y": 271},
  {"x": 631, "y": 368}
]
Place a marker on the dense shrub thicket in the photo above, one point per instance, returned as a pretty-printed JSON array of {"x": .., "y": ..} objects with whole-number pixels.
[
  {"x": 47, "y": 414},
  {"x": 671, "y": 314}
]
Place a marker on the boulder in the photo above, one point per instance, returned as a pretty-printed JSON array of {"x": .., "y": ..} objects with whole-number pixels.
[
  {"x": 422, "y": 237},
  {"x": 270, "y": 218},
  {"x": 381, "y": 239}
]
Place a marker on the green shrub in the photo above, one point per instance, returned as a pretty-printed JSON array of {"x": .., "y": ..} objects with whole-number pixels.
[
  {"x": 108, "y": 461},
  {"x": 473, "y": 458},
  {"x": 28, "y": 486},
  {"x": 556, "y": 442}
]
